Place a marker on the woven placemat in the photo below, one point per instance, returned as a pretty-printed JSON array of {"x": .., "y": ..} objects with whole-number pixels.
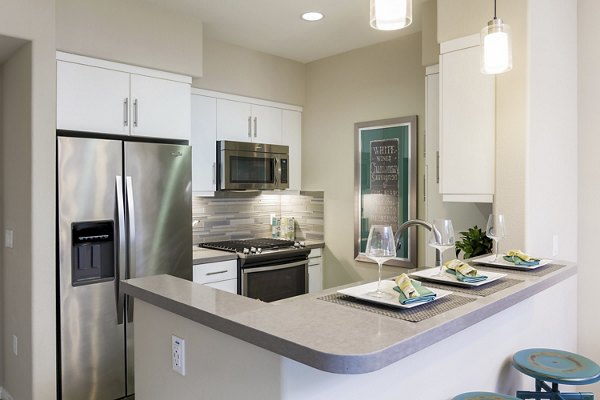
[
  {"x": 483, "y": 290},
  {"x": 541, "y": 271},
  {"x": 415, "y": 314}
]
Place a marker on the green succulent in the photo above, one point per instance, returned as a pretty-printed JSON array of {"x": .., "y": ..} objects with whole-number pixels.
[{"x": 474, "y": 243}]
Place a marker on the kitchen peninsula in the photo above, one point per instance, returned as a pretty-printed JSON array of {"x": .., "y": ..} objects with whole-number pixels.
[{"x": 308, "y": 348}]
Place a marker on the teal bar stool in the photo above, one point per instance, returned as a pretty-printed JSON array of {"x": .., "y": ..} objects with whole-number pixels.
[
  {"x": 483, "y": 396},
  {"x": 558, "y": 368}
]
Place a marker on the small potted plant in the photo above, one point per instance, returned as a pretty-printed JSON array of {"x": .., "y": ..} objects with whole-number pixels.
[{"x": 473, "y": 243}]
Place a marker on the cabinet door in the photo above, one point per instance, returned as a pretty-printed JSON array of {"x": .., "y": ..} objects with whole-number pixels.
[
  {"x": 315, "y": 275},
  {"x": 266, "y": 124},
  {"x": 91, "y": 99},
  {"x": 467, "y": 127},
  {"x": 203, "y": 141},
  {"x": 160, "y": 108},
  {"x": 234, "y": 120},
  {"x": 291, "y": 135}
]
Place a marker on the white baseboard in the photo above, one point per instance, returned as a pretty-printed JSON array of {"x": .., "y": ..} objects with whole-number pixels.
[{"x": 4, "y": 395}]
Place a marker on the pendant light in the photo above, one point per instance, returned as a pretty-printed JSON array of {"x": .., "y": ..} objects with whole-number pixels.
[
  {"x": 389, "y": 15},
  {"x": 496, "y": 47}
]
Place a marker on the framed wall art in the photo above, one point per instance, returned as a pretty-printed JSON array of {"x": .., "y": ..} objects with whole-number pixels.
[{"x": 385, "y": 183}]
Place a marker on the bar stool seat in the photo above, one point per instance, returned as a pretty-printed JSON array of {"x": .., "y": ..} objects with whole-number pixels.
[
  {"x": 483, "y": 396},
  {"x": 558, "y": 367}
]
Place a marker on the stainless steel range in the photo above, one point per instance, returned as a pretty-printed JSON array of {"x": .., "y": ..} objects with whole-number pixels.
[{"x": 268, "y": 269}]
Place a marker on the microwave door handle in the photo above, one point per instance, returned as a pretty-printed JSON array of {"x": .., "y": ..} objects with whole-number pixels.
[
  {"x": 121, "y": 252},
  {"x": 277, "y": 171}
]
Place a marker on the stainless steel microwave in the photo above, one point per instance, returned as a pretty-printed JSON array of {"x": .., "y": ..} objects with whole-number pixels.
[{"x": 252, "y": 166}]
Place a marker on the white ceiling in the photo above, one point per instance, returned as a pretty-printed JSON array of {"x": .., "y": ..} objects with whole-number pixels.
[{"x": 275, "y": 26}]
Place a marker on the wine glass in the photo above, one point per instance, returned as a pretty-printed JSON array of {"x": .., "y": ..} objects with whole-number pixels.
[
  {"x": 496, "y": 229},
  {"x": 441, "y": 237},
  {"x": 381, "y": 247}
]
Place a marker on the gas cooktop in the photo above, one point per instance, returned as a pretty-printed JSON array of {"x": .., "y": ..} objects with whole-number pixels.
[{"x": 254, "y": 246}]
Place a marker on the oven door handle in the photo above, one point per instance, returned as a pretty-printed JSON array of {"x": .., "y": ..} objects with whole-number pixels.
[{"x": 274, "y": 267}]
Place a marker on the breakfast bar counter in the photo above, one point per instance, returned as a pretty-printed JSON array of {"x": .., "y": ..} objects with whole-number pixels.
[{"x": 315, "y": 346}]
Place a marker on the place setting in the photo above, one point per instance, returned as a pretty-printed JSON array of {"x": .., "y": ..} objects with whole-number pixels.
[
  {"x": 402, "y": 294},
  {"x": 515, "y": 260},
  {"x": 458, "y": 274}
]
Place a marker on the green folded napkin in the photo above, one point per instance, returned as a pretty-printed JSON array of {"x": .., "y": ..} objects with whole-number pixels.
[
  {"x": 517, "y": 257},
  {"x": 424, "y": 295},
  {"x": 463, "y": 271},
  {"x": 467, "y": 278}
]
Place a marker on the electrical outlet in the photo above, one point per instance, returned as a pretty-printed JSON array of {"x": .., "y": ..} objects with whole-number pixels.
[
  {"x": 178, "y": 354},
  {"x": 555, "y": 245},
  {"x": 8, "y": 238},
  {"x": 15, "y": 345}
]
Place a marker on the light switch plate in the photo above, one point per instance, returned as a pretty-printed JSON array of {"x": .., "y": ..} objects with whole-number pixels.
[{"x": 8, "y": 238}]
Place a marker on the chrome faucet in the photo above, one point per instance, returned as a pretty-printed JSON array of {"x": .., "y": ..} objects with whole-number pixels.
[{"x": 416, "y": 222}]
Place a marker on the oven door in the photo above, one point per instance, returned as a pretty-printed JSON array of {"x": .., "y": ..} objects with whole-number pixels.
[{"x": 275, "y": 282}]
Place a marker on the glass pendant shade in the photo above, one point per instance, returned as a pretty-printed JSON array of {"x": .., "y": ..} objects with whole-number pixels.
[
  {"x": 496, "y": 48},
  {"x": 388, "y": 15}
]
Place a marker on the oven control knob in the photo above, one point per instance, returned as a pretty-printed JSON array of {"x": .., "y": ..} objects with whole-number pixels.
[
  {"x": 252, "y": 250},
  {"x": 259, "y": 250},
  {"x": 245, "y": 251}
]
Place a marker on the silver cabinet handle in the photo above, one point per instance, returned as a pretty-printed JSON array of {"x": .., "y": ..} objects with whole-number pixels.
[
  {"x": 121, "y": 262},
  {"x": 249, "y": 127},
  {"x": 126, "y": 112},
  {"x": 135, "y": 113},
  {"x": 255, "y": 127},
  {"x": 131, "y": 217},
  {"x": 214, "y": 175},
  {"x": 216, "y": 272}
]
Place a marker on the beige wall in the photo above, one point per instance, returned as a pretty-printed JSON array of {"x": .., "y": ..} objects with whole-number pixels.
[
  {"x": 376, "y": 82},
  {"x": 233, "y": 69},
  {"x": 131, "y": 32},
  {"x": 1, "y": 224},
  {"x": 589, "y": 179},
  {"x": 28, "y": 286},
  {"x": 17, "y": 290},
  {"x": 429, "y": 43}
]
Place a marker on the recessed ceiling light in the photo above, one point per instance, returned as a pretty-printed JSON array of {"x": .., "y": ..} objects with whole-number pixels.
[{"x": 312, "y": 16}]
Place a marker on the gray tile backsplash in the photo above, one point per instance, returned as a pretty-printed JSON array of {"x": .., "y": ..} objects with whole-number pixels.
[{"x": 247, "y": 215}]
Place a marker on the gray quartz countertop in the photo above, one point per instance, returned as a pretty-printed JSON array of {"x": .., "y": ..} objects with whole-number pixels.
[
  {"x": 324, "y": 335},
  {"x": 201, "y": 255}
]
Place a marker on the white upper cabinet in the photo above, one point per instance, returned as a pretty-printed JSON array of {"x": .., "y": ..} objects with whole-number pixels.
[
  {"x": 292, "y": 137},
  {"x": 220, "y": 116},
  {"x": 92, "y": 99},
  {"x": 467, "y": 124},
  {"x": 247, "y": 122},
  {"x": 203, "y": 142},
  {"x": 266, "y": 124},
  {"x": 111, "y": 98},
  {"x": 234, "y": 120},
  {"x": 161, "y": 108}
]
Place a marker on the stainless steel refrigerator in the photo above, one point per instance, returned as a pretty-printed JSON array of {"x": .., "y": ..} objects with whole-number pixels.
[{"x": 124, "y": 211}]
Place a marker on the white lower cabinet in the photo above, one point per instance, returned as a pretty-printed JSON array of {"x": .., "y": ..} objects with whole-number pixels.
[
  {"x": 219, "y": 275},
  {"x": 315, "y": 271}
]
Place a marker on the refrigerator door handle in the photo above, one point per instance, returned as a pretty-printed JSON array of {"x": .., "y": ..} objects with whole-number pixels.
[
  {"x": 121, "y": 249},
  {"x": 131, "y": 227}
]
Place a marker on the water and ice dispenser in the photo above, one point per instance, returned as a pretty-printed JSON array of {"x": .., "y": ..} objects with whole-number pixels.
[{"x": 92, "y": 252}]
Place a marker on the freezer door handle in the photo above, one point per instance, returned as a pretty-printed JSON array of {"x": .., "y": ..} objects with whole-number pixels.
[
  {"x": 121, "y": 251},
  {"x": 131, "y": 227}
]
